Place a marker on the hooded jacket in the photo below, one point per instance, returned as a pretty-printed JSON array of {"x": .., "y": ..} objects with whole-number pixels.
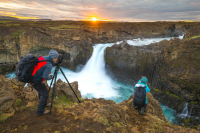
[
  {"x": 147, "y": 89},
  {"x": 42, "y": 69}
]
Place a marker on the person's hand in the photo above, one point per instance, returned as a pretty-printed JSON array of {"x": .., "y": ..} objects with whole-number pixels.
[{"x": 50, "y": 76}]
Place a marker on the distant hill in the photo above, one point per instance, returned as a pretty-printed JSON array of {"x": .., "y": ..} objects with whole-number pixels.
[
  {"x": 8, "y": 18},
  {"x": 13, "y": 18}
]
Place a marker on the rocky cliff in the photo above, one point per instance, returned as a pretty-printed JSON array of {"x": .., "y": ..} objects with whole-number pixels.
[
  {"x": 72, "y": 39},
  {"x": 91, "y": 115},
  {"x": 172, "y": 68}
]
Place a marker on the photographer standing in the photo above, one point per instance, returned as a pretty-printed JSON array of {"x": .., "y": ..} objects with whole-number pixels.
[{"x": 41, "y": 72}]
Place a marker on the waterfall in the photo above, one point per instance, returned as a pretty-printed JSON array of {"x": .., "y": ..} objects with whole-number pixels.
[
  {"x": 191, "y": 110},
  {"x": 185, "y": 111}
]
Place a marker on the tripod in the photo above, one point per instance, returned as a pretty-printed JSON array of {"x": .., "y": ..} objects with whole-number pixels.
[{"x": 54, "y": 78}]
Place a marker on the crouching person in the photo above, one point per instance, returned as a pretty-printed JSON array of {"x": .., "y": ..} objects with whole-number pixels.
[
  {"x": 140, "y": 99},
  {"x": 41, "y": 72}
]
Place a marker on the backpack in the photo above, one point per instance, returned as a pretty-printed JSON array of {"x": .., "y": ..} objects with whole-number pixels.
[
  {"x": 25, "y": 68},
  {"x": 139, "y": 95}
]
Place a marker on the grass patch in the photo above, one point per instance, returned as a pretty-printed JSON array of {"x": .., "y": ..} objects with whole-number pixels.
[
  {"x": 18, "y": 102},
  {"x": 64, "y": 27},
  {"x": 63, "y": 101},
  {"x": 3, "y": 22},
  {"x": 195, "y": 37},
  {"x": 103, "y": 120},
  {"x": 3, "y": 117},
  {"x": 33, "y": 108},
  {"x": 31, "y": 23},
  {"x": 17, "y": 34},
  {"x": 131, "y": 102},
  {"x": 174, "y": 95},
  {"x": 194, "y": 102},
  {"x": 25, "y": 127},
  {"x": 22, "y": 108},
  {"x": 117, "y": 124},
  {"x": 12, "y": 24},
  {"x": 156, "y": 90}
]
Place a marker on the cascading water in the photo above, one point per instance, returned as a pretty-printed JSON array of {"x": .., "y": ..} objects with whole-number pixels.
[
  {"x": 93, "y": 81},
  {"x": 185, "y": 111}
]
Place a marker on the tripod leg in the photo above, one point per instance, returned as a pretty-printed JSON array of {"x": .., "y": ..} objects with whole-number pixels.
[
  {"x": 52, "y": 80},
  {"x": 53, "y": 90},
  {"x": 69, "y": 84}
]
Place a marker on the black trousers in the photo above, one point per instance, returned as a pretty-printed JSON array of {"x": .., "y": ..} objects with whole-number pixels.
[{"x": 43, "y": 95}]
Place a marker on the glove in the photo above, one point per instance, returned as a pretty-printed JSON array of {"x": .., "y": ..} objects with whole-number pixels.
[{"x": 50, "y": 76}]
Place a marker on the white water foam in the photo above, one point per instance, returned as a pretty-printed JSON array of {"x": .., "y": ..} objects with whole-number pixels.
[{"x": 140, "y": 42}]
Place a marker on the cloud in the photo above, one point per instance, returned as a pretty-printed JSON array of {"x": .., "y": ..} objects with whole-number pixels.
[{"x": 119, "y": 10}]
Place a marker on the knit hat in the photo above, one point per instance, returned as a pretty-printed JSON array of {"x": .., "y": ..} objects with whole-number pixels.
[
  {"x": 53, "y": 54},
  {"x": 144, "y": 80}
]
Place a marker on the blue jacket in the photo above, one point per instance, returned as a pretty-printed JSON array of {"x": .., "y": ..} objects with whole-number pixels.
[
  {"x": 147, "y": 89},
  {"x": 43, "y": 72}
]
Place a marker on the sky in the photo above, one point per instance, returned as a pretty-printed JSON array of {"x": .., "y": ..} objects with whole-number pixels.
[{"x": 115, "y": 10}]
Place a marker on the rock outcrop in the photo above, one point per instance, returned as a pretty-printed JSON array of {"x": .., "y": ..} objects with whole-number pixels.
[
  {"x": 172, "y": 68},
  {"x": 64, "y": 88},
  {"x": 13, "y": 93},
  {"x": 10, "y": 89}
]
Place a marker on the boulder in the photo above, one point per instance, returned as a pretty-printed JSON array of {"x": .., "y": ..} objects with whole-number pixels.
[
  {"x": 8, "y": 98},
  {"x": 110, "y": 114},
  {"x": 64, "y": 88},
  {"x": 30, "y": 94},
  {"x": 10, "y": 89}
]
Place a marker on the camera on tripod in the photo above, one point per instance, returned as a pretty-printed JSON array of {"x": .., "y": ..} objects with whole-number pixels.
[
  {"x": 57, "y": 64},
  {"x": 60, "y": 58}
]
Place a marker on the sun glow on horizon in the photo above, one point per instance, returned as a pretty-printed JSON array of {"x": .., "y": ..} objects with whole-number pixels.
[{"x": 94, "y": 19}]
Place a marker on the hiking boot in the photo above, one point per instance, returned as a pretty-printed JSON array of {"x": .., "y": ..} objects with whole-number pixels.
[
  {"x": 142, "y": 111},
  {"x": 45, "y": 112},
  {"x": 48, "y": 105}
]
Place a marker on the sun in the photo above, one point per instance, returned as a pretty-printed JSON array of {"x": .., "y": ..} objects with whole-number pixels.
[{"x": 94, "y": 19}]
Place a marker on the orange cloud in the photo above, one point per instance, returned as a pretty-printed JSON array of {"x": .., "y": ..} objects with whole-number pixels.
[
  {"x": 21, "y": 17},
  {"x": 8, "y": 13}
]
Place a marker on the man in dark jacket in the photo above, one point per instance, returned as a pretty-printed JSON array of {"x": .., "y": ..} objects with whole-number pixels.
[{"x": 41, "y": 72}]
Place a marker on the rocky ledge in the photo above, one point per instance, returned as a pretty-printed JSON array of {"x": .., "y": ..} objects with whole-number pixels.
[
  {"x": 172, "y": 68},
  {"x": 91, "y": 115},
  {"x": 73, "y": 39}
]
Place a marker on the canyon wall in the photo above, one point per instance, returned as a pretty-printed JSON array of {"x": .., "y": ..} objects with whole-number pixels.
[{"x": 73, "y": 39}]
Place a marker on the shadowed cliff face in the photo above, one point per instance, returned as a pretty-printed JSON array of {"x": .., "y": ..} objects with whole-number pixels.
[
  {"x": 172, "y": 68},
  {"x": 72, "y": 39}
]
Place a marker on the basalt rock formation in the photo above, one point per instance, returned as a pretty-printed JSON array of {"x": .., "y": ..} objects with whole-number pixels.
[
  {"x": 73, "y": 40},
  {"x": 91, "y": 115},
  {"x": 172, "y": 68}
]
